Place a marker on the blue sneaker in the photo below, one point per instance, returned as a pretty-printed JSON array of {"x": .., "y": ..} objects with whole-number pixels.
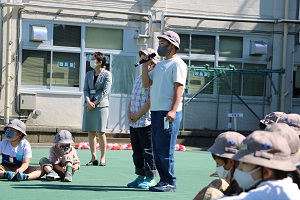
[
  {"x": 165, "y": 187},
  {"x": 21, "y": 177},
  {"x": 136, "y": 182},
  {"x": 148, "y": 182},
  {"x": 9, "y": 175}
]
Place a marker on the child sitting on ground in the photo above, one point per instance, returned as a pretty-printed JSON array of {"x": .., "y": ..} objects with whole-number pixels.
[
  {"x": 265, "y": 169},
  {"x": 271, "y": 118},
  {"x": 224, "y": 148},
  {"x": 290, "y": 135},
  {"x": 63, "y": 160},
  {"x": 16, "y": 154}
]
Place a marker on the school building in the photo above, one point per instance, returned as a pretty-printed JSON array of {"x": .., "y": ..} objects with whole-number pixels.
[{"x": 242, "y": 55}]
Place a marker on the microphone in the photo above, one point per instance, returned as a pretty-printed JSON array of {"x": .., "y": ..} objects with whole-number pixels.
[{"x": 143, "y": 61}]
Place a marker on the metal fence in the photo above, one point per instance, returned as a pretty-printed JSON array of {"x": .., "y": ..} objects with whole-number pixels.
[{"x": 229, "y": 84}]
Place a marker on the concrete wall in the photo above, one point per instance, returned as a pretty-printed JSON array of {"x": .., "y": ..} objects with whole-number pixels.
[{"x": 66, "y": 110}]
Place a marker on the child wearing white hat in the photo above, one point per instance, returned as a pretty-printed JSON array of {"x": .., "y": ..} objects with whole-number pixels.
[{"x": 16, "y": 154}]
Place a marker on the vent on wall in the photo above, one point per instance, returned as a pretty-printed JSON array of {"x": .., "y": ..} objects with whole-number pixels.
[
  {"x": 258, "y": 48},
  {"x": 38, "y": 33}
]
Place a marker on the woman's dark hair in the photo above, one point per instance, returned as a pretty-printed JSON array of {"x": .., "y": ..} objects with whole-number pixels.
[
  {"x": 295, "y": 175},
  {"x": 225, "y": 160},
  {"x": 100, "y": 57}
]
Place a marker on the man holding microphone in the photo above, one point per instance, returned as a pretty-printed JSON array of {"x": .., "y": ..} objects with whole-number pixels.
[{"x": 167, "y": 81}]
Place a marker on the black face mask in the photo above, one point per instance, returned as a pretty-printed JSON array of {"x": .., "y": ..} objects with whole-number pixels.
[
  {"x": 163, "y": 50},
  {"x": 65, "y": 148}
]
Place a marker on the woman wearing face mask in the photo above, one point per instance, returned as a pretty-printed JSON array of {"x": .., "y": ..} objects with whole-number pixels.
[
  {"x": 224, "y": 148},
  {"x": 97, "y": 86},
  {"x": 265, "y": 169},
  {"x": 16, "y": 154},
  {"x": 63, "y": 161}
]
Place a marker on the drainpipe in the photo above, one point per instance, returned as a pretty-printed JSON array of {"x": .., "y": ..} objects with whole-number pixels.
[
  {"x": 7, "y": 64},
  {"x": 284, "y": 49},
  {"x": 1, "y": 43}
]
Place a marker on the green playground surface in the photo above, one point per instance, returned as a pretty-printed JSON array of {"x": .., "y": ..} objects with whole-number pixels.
[{"x": 192, "y": 170}]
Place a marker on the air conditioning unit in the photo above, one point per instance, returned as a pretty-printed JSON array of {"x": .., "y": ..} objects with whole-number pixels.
[
  {"x": 258, "y": 48},
  {"x": 38, "y": 33}
]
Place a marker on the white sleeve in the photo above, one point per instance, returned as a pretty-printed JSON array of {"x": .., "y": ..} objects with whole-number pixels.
[
  {"x": 251, "y": 195},
  {"x": 27, "y": 150},
  {"x": 180, "y": 73}
]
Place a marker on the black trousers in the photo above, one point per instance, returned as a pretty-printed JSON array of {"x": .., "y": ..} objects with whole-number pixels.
[{"x": 141, "y": 141}]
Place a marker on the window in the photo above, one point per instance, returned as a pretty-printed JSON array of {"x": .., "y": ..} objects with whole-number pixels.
[
  {"x": 231, "y": 46},
  {"x": 65, "y": 35},
  {"x": 122, "y": 69},
  {"x": 201, "y": 44},
  {"x": 59, "y": 63},
  {"x": 65, "y": 69},
  {"x": 231, "y": 81},
  {"x": 245, "y": 81},
  {"x": 184, "y": 43},
  {"x": 296, "y": 82},
  {"x": 253, "y": 83},
  {"x": 104, "y": 38},
  {"x": 123, "y": 73},
  {"x": 197, "y": 79},
  {"x": 199, "y": 50},
  {"x": 35, "y": 67}
]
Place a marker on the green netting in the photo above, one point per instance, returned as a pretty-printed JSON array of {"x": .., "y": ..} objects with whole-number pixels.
[
  {"x": 200, "y": 78},
  {"x": 223, "y": 89}
]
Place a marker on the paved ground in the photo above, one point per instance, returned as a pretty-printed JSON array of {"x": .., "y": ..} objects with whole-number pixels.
[{"x": 192, "y": 169}]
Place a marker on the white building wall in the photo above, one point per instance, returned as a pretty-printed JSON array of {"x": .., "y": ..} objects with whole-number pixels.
[{"x": 63, "y": 109}]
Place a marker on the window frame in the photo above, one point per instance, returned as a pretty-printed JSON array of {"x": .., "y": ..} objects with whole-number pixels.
[
  {"x": 216, "y": 59},
  {"x": 82, "y": 51}
]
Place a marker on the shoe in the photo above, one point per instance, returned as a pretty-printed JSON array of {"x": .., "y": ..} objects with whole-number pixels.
[
  {"x": 68, "y": 177},
  {"x": 163, "y": 188},
  {"x": 21, "y": 177},
  {"x": 102, "y": 164},
  {"x": 52, "y": 176},
  {"x": 148, "y": 182},
  {"x": 9, "y": 175},
  {"x": 136, "y": 182},
  {"x": 95, "y": 163}
]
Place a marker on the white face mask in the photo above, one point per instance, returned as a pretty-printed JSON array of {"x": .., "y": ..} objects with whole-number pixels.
[
  {"x": 93, "y": 64},
  {"x": 223, "y": 173},
  {"x": 245, "y": 179}
]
